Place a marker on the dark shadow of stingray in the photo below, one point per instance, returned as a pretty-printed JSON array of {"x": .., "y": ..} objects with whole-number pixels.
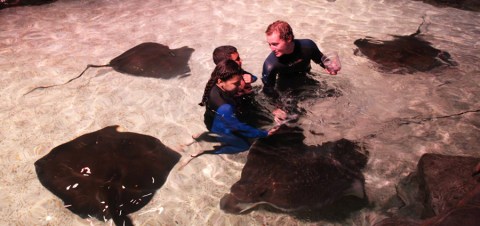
[
  {"x": 289, "y": 176},
  {"x": 403, "y": 54},
  {"x": 252, "y": 110},
  {"x": 148, "y": 59},
  {"x": 299, "y": 88},
  {"x": 107, "y": 174},
  {"x": 470, "y": 5},
  {"x": 12, "y": 3}
]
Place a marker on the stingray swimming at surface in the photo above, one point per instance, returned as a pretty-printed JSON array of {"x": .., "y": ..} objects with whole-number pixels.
[
  {"x": 107, "y": 174},
  {"x": 470, "y": 5},
  {"x": 284, "y": 173},
  {"x": 13, "y": 3},
  {"x": 147, "y": 59},
  {"x": 403, "y": 54}
]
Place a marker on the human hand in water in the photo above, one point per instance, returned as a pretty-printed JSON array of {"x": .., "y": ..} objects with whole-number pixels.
[
  {"x": 273, "y": 130},
  {"x": 247, "y": 78},
  {"x": 332, "y": 63},
  {"x": 331, "y": 72},
  {"x": 245, "y": 85},
  {"x": 279, "y": 115}
]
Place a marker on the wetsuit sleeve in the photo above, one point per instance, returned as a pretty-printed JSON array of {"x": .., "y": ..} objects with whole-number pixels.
[
  {"x": 316, "y": 53},
  {"x": 254, "y": 78},
  {"x": 269, "y": 78},
  {"x": 225, "y": 113}
]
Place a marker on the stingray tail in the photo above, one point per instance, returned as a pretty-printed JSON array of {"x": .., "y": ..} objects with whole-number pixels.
[
  {"x": 80, "y": 75},
  {"x": 421, "y": 28},
  {"x": 122, "y": 221}
]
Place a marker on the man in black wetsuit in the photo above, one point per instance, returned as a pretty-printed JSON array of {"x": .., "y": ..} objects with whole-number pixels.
[{"x": 289, "y": 60}]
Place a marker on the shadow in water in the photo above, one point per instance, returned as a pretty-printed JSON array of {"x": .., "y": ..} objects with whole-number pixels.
[{"x": 403, "y": 54}]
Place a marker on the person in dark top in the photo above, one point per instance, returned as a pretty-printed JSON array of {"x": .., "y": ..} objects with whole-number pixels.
[
  {"x": 247, "y": 109},
  {"x": 225, "y": 52},
  {"x": 219, "y": 117},
  {"x": 289, "y": 60}
]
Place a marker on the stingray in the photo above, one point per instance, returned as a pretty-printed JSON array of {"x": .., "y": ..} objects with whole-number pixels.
[
  {"x": 11, "y": 3},
  {"x": 403, "y": 54},
  {"x": 107, "y": 174},
  {"x": 471, "y": 5},
  {"x": 465, "y": 208},
  {"x": 148, "y": 59},
  {"x": 284, "y": 173}
]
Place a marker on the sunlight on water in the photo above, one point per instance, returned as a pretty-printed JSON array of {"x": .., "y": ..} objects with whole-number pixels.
[{"x": 399, "y": 117}]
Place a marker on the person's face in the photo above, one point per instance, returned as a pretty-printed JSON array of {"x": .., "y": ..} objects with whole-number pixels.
[
  {"x": 236, "y": 57},
  {"x": 230, "y": 86},
  {"x": 245, "y": 85},
  {"x": 279, "y": 46}
]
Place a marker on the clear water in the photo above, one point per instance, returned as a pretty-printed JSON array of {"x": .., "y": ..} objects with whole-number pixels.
[{"x": 53, "y": 43}]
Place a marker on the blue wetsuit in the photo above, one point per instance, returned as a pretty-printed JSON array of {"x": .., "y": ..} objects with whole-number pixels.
[
  {"x": 220, "y": 118},
  {"x": 289, "y": 67}
]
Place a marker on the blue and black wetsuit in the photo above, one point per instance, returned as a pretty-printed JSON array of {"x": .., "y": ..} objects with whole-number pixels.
[
  {"x": 290, "y": 68},
  {"x": 220, "y": 118}
]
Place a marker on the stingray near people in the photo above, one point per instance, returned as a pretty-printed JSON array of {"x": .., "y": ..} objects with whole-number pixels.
[
  {"x": 284, "y": 173},
  {"x": 147, "y": 59},
  {"x": 12, "y": 3},
  {"x": 403, "y": 54},
  {"x": 107, "y": 174},
  {"x": 154, "y": 60},
  {"x": 470, "y": 5}
]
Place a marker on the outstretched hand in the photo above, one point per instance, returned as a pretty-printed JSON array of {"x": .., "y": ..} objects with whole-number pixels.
[
  {"x": 279, "y": 115},
  {"x": 273, "y": 130}
]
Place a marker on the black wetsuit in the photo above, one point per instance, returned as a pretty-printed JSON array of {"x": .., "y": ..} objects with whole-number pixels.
[
  {"x": 290, "y": 68},
  {"x": 220, "y": 118}
]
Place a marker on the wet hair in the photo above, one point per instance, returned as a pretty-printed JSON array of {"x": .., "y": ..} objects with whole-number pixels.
[
  {"x": 225, "y": 70},
  {"x": 222, "y": 53},
  {"x": 283, "y": 28}
]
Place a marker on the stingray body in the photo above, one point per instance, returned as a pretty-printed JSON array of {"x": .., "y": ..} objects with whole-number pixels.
[
  {"x": 155, "y": 60},
  {"x": 403, "y": 54},
  {"x": 12, "y": 3},
  {"x": 471, "y": 5},
  {"x": 147, "y": 59},
  {"x": 106, "y": 174},
  {"x": 286, "y": 174}
]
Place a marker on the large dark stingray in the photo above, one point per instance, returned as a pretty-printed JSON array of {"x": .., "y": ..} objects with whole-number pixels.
[
  {"x": 107, "y": 174},
  {"x": 471, "y": 5},
  {"x": 12, "y": 3},
  {"x": 148, "y": 59},
  {"x": 441, "y": 192},
  {"x": 403, "y": 54},
  {"x": 154, "y": 60},
  {"x": 284, "y": 173}
]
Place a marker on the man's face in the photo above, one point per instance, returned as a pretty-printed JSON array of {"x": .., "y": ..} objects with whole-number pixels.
[
  {"x": 236, "y": 57},
  {"x": 279, "y": 46}
]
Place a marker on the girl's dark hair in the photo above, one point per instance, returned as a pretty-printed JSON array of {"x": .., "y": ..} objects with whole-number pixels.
[
  {"x": 223, "y": 53},
  {"x": 224, "y": 71}
]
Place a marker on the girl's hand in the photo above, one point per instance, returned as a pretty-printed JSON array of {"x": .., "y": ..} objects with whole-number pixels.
[
  {"x": 280, "y": 115},
  {"x": 273, "y": 130}
]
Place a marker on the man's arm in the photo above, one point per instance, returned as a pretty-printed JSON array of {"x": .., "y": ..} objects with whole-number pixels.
[
  {"x": 317, "y": 55},
  {"x": 269, "y": 78}
]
